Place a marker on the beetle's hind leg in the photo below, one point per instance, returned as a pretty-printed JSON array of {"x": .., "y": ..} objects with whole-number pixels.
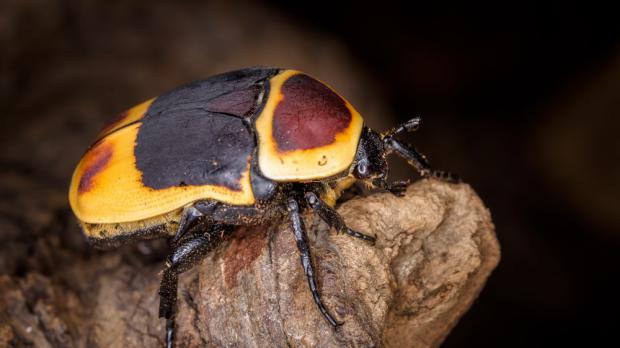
[
  {"x": 332, "y": 218},
  {"x": 186, "y": 253},
  {"x": 189, "y": 219},
  {"x": 167, "y": 302},
  {"x": 306, "y": 258}
]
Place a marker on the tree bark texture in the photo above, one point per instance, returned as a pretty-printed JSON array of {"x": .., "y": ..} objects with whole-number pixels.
[{"x": 435, "y": 248}]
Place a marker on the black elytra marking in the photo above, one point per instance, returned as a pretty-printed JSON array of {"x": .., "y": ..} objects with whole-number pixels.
[
  {"x": 232, "y": 93},
  {"x": 190, "y": 137},
  {"x": 193, "y": 148}
]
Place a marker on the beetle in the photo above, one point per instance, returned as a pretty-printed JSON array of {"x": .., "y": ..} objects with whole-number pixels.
[{"x": 239, "y": 148}]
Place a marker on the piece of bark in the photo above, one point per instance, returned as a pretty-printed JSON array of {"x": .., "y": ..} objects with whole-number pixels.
[{"x": 435, "y": 249}]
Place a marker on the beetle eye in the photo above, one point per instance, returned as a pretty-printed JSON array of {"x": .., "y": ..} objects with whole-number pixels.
[{"x": 362, "y": 168}]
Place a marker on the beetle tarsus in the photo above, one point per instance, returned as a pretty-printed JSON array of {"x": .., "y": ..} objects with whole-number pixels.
[
  {"x": 446, "y": 176},
  {"x": 332, "y": 218},
  {"x": 306, "y": 258},
  {"x": 418, "y": 160},
  {"x": 170, "y": 332},
  {"x": 398, "y": 188},
  {"x": 167, "y": 302},
  {"x": 411, "y": 125}
]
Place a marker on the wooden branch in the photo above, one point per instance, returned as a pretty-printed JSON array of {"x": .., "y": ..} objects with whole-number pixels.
[{"x": 436, "y": 247}]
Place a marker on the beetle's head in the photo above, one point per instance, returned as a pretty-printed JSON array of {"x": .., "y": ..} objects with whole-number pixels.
[{"x": 370, "y": 164}]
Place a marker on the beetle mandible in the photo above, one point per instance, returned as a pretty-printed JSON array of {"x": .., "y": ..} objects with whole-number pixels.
[{"x": 239, "y": 148}]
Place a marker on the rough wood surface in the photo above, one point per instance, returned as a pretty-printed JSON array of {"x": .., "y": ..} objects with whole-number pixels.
[{"x": 436, "y": 247}]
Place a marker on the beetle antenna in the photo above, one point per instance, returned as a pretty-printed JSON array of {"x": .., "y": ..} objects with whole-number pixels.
[{"x": 411, "y": 125}]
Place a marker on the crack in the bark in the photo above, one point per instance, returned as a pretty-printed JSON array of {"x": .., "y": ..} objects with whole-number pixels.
[
  {"x": 191, "y": 303},
  {"x": 156, "y": 337}
]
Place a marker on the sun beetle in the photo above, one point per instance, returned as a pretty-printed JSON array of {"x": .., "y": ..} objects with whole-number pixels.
[{"x": 239, "y": 148}]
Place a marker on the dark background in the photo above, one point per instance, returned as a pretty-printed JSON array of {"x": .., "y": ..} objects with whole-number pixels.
[{"x": 522, "y": 100}]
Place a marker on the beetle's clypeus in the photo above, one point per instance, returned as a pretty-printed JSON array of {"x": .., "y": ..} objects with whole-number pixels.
[{"x": 239, "y": 148}]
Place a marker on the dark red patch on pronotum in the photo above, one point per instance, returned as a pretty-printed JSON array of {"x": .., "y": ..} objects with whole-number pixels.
[
  {"x": 96, "y": 160},
  {"x": 309, "y": 116}
]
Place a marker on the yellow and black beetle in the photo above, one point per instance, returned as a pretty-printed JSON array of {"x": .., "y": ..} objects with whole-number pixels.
[{"x": 239, "y": 148}]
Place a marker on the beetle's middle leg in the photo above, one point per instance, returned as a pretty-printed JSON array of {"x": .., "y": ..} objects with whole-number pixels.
[
  {"x": 332, "y": 218},
  {"x": 306, "y": 258}
]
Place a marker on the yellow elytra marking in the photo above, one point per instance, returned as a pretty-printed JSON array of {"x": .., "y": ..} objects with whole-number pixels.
[
  {"x": 115, "y": 193},
  {"x": 303, "y": 164}
]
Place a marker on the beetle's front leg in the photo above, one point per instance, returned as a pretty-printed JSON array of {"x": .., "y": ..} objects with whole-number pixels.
[
  {"x": 306, "y": 258},
  {"x": 398, "y": 188},
  {"x": 418, "y": 160},
  {"x": 410, "y": 125},
  {"x": 332, "y": 218}
]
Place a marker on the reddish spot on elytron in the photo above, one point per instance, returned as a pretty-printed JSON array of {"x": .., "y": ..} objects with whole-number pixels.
[
  {"x": 239, "y": 102},
  {"x": 244, "y": 249},
  {"x": 310, "y": 115},
  {"x": 94, "y": 162},
  {"x": 111, "y": 124}
]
